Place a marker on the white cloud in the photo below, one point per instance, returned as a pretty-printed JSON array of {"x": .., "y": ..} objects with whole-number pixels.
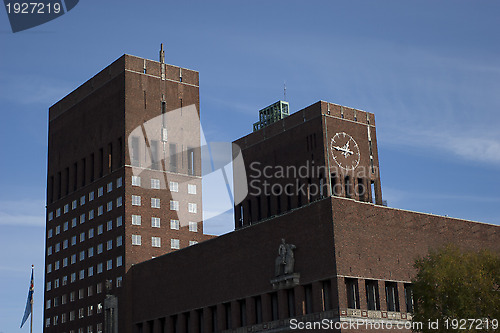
[
  {"x": 32, "y": 89},
  {"x": 23, "y": 213}
]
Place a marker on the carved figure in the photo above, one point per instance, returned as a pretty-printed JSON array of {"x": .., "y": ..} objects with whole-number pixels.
[{"x": 285, "y": 260}]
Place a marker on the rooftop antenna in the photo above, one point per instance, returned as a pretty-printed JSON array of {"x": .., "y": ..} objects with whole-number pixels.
[
  {"x": 284, "y": 91},
  {"x": 162, "y": 54}
]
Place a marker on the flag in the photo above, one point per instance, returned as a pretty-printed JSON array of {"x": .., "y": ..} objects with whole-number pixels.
[{"x": 29, "y": 302}]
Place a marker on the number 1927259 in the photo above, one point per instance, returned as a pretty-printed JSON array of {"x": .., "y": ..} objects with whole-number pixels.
[
  {"x": 33, "y": 8},
  {"x": 468, "y": 324}
]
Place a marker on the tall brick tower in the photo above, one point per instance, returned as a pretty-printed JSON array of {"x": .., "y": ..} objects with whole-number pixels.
[{"x": 123, "y": 186}]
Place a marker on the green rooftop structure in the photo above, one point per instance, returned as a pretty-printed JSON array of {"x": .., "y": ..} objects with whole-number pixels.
[{"x": 272, "y": 114}]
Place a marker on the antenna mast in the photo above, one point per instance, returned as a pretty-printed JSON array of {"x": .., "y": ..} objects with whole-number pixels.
[{"x": 284, "y": 91}]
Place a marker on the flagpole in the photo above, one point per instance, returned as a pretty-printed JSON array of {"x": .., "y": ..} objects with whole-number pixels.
[{"x": 31, "y": 319}]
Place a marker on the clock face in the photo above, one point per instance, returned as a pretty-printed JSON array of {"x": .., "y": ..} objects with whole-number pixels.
[{"x": 345, "y": 151}]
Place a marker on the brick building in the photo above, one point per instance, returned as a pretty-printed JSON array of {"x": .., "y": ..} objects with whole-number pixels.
[
  {"x": 123, "y": 186},
  {"x": 312, "y": 237}
]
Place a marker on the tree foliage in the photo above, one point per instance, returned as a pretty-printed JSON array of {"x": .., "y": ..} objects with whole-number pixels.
[{"x": 454, "y": 284}]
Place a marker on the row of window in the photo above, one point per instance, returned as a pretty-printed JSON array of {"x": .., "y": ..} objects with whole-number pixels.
[
  {"x": 89, "y": 272},
  {"x": 373, "y": 298},
  {"x": 82, "y": 200},
  {"x": 155, "y": 203},
  {"x": 89, "y": 234},
  {"x": 183, "y": 323},
  {"x": 156, "y": 242},
  {"x": 156, "y": 185},
  {"x": 156, "y": 222}
]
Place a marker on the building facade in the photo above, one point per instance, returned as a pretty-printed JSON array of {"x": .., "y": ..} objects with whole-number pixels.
[{"x": 123, "y": 186}]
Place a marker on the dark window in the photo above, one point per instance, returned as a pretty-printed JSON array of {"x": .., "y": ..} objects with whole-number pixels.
[
  {"x": 308, "y": 298},
  {"x": 200, "y": 321},
  {"x": 92, "y": 167},
  {"x": 372, "y": 296},
  {"x": 175, "y": 324},
  {"x": 173, "y": 157},
  {"x": 335, "y": 185},
  {"x": 325, "y": 295},
  {"x": 291, "y": 303},
  {"x": 274, "y": 306},
  {"x": 227, "y": 308},
  {"x": 352, "y": 293},
  {"x": 373, "y": 191},
  {"x": 135, "y": 151},
  {"x": 213, "y": 310},
  {"x": 59, "y": 185},
  {"x": 66, "y": 181},
  {"x": 409, "y": 297},
  {"x": 84, "y": 171},
  {"x": 110, "y": 165},
  {"x": 101, "y": 162},
  {"x": 258, "y": 309},
  {"x": 155, "y": 152},
  {"x": 249, "y": 211},
  {"x": 191, "y": 163},
  {"x": 391, "y": 295},
  {"x": 361, "y": 189},
  {"x": 347, "y": 185},
  {"x": 278, "y": 204},
  {"x": 187, "y": 318},
  {"x": 75, "y": 176},
  {"x": 243, "y": 312},
  {"x": 268, "y": 206},
  {"x": 259, "y": 209}
]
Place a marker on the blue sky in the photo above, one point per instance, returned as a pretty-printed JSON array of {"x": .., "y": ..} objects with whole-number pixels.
[{"x": 429, "y": 70}]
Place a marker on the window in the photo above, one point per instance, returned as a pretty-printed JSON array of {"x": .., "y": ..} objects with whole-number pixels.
[
  {"x": 352, "y": 293},
  {"x": 119, "y": 261},
  {"x": 72, "y": 316},
  {"x": 192, "y": 243},
  {"x": 82, "y": 218},
  {"x": 73, "y": 259},
  {"x": 109, "y": 225},
  {"x": 193, "y": 226},
  {"x": 66, "y": 208},
  {"x": 58, "y": 212},
  {"x": 56, "y": 265},
  {"x": 155, "y": 241},
  {"x": 109, "y": 206},
  {"x": 58, "y": 230},
  {"x": 65, "y": 244},
  {"x": 119, "y": 182},
  {"x": 99, "y": 270},
  {"x": 119, "y": 202},
  {"x": 110, "y": 187},
  {"x": 99, "y": 248},
  {"x": 118, "y": 221},
  {"x": 100, "y": 191},
  {"x": 65, "y": 262},
  {"x": 100, "y": 229},
  {"x": 47, "y": 304},
  {"x": 91, "y": 196},
  {"x": 100, "y": 210},
  {"x": 51, "y": 216},
  {"x": 391, "y": 296},
  {"x": 136, "y": 239},
  {"x": 49, "y": 286},
  {"x": 109, "y": 264},
  {"x": 49, "y": 233},
  {"x": 91, "y": 233},
  {"x": 82, "y": 236},
  {"x": 155, "y": 183},
  {"x": 136, "y": 181},
  {"x": 81, "y": 314},
  {"x": 155, "y": 203},
  {"x": 155, "y": 222},
  {"x": 82, "y": 255},
  {"x": 49, "y": 250},
  {"x": 73, "y": 222},
  {"x": 119, "y": 281},
  {"x": 191, "y": 189},
  {"x": 136, "y": 200},
  {"x": 118, "y": 241},
  {"x": 99, "y": 288},
  {"x": 82, "y": 274},
  {"x": 192, "y": 207},
  {"x": 65, "y": 226},
  {"x": 174, "y": 244},
  {"x": 174, "y": 187},
  {"x": 64, "y": 298},
  {"x": 91, "y": 272},
  {"x": 372, "y": 296},
  {"x": 109, "y": 244},
  {"x": 82, "y": 200},
  {"x": 73, "y": 240},
  {"x": 72, "y": 296},
  {"x": 174, "y": 205},
  {"x": 408, "y": 297},
  {"x": 174, "y": 224},
  {"x": 49, "y": 268},
  {"x": 90, "y": 252},
  {"x": 73, "y": 204},
  {"x": 136, "y": 219}
]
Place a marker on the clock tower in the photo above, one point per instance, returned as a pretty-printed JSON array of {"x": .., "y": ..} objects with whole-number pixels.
[{"x": 322, "y": 150}]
